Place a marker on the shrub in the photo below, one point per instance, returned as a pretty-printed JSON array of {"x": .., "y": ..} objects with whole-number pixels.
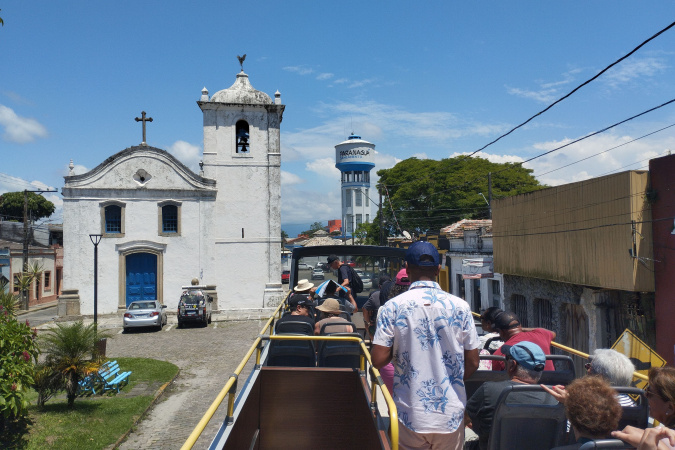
[
  {"x": 18, "y": 352},
  {"x": 47, "y": 382}
]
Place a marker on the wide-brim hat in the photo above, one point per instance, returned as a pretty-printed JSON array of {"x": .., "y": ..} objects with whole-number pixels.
[
  {"x": 331, "y": 306},
  {"x": 303, "y": 285}
]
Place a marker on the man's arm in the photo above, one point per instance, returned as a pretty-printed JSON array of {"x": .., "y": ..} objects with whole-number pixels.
[
  {"x": 351, "y": 298},
  {"x": 553, "y": 333},
  {"x": 471, "y": 360},
  {"x": 381, "y": 356},
  {"x": 366, "y": 315}
]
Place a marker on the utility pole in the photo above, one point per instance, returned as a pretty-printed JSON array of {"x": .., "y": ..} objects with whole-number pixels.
[
  {"x": 24, "y": 291},
  {"x": 490, "y": 194},
  {"x": 379, "y": 191}
]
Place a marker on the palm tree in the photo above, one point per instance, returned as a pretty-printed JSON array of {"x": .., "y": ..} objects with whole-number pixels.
[{"x": 71, "y": 351}]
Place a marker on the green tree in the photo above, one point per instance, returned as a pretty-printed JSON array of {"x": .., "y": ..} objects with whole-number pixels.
[
  {"x": 11, "y": 206},
  {"x": 427, "y": 194},
  {"x": 368, "y": 233},
  {"x": 71, "y": 351},
  {"x": 18, "y": 352},
  {"x": 313, "y": 228}
]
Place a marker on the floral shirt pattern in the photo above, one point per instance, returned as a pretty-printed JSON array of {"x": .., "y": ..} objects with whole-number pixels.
[{"x": 428, "y": 331}]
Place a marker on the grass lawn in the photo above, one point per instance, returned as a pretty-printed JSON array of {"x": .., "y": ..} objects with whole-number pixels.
[{"x": 95, "y": 422}]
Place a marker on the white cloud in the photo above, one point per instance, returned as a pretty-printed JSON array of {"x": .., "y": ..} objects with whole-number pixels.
[
  {"x": 324, "y": 167},
  {"x": 361, "y": 83},
  {"x": 188, "y": 154},
  {"x": 633, "y": 68},
  {"x": 289, "y": 179},
  {"x": 602, "y": 154},
  {"x": 20, "y": 129},
  {"x": 341, "y": 81},
  {"x": 300, "y": 70},
  {"x": 543, "y": 95},
  {"x": 299, "y": 206},
  {"x": 324, "y": 76},
  {"x": 419, "y": 155}
]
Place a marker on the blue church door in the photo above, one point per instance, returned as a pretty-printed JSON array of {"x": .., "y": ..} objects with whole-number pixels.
[{"x": 141, "y": 277}]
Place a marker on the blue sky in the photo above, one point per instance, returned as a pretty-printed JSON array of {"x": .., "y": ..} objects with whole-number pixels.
[{"x": 426, "y": 79}]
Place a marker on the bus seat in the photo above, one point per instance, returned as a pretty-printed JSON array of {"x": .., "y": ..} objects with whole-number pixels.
[
  {"x": 339, "y": 353},
  {"x": 526, "y": 425},
  {"x": 479, "y": 377},
  {"x": 610, "y": 444},
  {"x": 636, "y": 416},
  {"x": 563, "y": 374},
  {"x": 300, "y": 353}
]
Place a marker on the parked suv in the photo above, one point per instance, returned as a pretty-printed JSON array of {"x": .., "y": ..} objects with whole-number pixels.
[{"x": 194, "y": 306}]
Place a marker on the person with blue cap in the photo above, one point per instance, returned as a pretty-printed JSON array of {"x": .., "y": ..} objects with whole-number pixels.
[
  {"x": 525, "y": 363},
  {"x": 430, "y": 338}
]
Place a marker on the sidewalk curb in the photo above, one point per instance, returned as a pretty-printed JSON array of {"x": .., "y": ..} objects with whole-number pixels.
[
  {"x": 158, "y": 394},
  {"x": 37, "y": 308}
]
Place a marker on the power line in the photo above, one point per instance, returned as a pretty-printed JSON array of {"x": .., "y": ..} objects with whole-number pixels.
[{"x": 560, "y": 99}]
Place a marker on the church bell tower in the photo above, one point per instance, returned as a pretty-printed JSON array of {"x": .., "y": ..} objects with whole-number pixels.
[{"x": 242, "y": 154}]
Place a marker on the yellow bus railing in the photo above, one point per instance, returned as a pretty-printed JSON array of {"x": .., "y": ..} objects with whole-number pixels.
[
  {"x": 230, "y": 387},
  {"x": 578, "y": 353}
]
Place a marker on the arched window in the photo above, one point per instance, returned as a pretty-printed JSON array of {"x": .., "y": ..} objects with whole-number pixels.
[
  {"x": 243, "y": 145},
  {"x": 113, "y": 219}
]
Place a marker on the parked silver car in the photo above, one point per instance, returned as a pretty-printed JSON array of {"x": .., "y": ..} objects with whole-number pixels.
[{"x": 145, "y": 313}]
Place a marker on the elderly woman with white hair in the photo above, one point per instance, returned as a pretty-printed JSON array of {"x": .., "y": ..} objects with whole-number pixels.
[{"x": 614, "y": 367}]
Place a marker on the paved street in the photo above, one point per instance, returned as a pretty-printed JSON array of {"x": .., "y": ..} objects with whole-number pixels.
[
  {"x": 206, "y": 358},
  {"x": 36, "y": 318}
]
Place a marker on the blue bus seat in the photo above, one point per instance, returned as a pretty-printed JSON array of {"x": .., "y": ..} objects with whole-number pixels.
[
  {"x": 563, "y": 374},
  {"x": 292, "y": 353},
  {"x": 479, "y": 377}
]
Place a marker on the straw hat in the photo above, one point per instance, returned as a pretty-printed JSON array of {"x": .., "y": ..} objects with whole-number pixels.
[
  {"x": 330, "y": 306},
  {"x": 303, "y": 285}
]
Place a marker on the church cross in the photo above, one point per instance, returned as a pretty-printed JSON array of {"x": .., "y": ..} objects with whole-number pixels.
[{"x": 143, "y": 119}]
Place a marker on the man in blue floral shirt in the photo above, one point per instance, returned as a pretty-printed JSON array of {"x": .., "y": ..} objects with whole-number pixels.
[{"x": 430, "y": 337}]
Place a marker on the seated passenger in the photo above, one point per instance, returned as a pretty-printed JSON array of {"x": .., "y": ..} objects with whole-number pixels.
[
  {"x": 508, "y": 326},
  {"x": 304, "y": 287},
  {"x": 347, "y": 300},
  {"x": 300, "y": 312},
  {"x": 524, "y": 364},
  {"x": 487, "y": 320},
  {"x": 593, "y": 410},
  {"x": 331, "y": 314},
  {"x": 612, "y": 366}
]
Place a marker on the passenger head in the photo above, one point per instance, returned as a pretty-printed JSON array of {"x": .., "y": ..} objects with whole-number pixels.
[
  {"x": 331, "y": 287},
  {"x": 402, "y": 278},
  {"x": 507, "y": 324},
  {"x": 592, "y": 408},
  {"x": 299, "y": 304},
  {"x": 524, "y": 361},
  {"x": 330, "y": 308},
  {"x": 383, "y": 279},
  {"x": 487, "y": 318},
  {"x": 661, "y": 394},
  {"x": 333, "y": 262},
  {"x": 423, "y": 261},
  {"x": 611, "y": 365},
  {"x": 401, "y": 285},
  {"x": 303, "y": 287}
]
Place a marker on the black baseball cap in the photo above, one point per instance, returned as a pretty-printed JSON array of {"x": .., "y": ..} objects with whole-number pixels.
[{"x": 506, "y": 321}]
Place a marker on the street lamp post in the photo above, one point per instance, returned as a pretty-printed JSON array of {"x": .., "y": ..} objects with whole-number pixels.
[{"x": 95, "y": 239}]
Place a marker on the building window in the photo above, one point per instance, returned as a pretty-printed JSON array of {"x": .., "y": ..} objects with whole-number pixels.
[
  {"x": 112, "y": 219},
  {"x": 519, "y": 304},
  {"x": 359, "y": 219},
  {"x": 543, "y": 313},
  {"x": 48, "y": 281},
  {"x": 350, "y": 224},
  {"x": 367, "y": 199},
  {"x": 496, "y": 293},
  {"x": 358, "y": 197},
  {"x": 348, "y": 198},
  {"x": 169, "y": 218},
  {"x": 243, "y": 145}
]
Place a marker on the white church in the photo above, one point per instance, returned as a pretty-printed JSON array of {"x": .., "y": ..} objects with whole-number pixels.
[{"x": 162, "y": 225}]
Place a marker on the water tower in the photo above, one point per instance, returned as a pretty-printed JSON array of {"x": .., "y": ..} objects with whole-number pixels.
[{"x": 355, "y": 159}]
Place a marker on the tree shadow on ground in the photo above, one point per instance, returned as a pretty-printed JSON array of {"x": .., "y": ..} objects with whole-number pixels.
[{"x": 14, "y": 434}]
